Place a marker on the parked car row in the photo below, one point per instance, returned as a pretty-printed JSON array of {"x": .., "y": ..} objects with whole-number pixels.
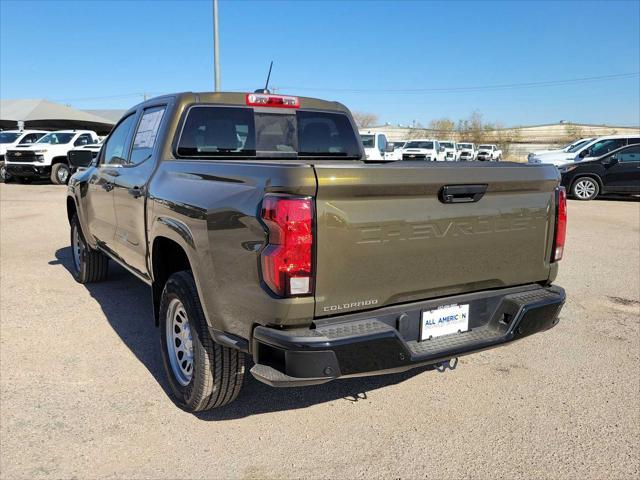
[
  {"x": 583, "y": 149},
  {"x": 378, "y": 148},
  {"x": 590, "y": 167},
  {"x": 617, "y": 171},
  {"x": 35, "y": 154}
]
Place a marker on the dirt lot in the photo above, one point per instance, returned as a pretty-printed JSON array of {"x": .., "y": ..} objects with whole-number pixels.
[{"x": 83, "y": 393}]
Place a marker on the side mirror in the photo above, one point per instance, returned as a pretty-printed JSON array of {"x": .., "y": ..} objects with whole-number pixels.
[
  {"x": 80, "y": 158},
  {"x": 611, "y": 160},
  {"x": 388, "y": 148},
  {"x": 584, "y": 153},
  {"x": 441, "y": 149}
]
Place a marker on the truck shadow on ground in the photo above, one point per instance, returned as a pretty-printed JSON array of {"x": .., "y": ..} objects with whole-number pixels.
[{"x": 126, "y": 304}]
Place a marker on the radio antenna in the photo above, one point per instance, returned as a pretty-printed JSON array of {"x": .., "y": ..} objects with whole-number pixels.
[{"x": 266, "y": 85}]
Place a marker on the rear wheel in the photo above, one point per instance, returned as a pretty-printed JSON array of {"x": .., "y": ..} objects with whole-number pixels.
[
  {"x": 202, "y": 374},
  {"x": 60, "y": 174},
  {"x": 585, "y": 188},
  {"x": 89, "y": 265}
]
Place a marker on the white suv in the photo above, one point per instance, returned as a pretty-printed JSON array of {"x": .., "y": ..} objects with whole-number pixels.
[
  {"x": 572, "y": 147},
  {"x": 48, "y": 156},
  {"x": 13, "y": 138}
]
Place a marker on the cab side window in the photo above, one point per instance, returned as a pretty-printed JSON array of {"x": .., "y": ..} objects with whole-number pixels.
[
  {"x": 631, "y": 154},
  {"x": 117, "y": 145}
]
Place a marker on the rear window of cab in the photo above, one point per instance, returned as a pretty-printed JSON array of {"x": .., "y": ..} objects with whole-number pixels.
[{"x": 217, "y": 131}]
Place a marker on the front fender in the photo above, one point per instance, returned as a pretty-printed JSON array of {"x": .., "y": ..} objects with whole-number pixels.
[{"x": 76, "y": 193}]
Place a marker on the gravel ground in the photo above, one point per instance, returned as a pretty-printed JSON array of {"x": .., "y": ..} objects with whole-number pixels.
[{"x": 83, "y": 394}]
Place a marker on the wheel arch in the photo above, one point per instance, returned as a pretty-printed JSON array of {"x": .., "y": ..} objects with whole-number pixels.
[
  {"x": 167, "y": 256},
  {"x": 59, "y": 159},
  {"x": 72, "y": 208}
]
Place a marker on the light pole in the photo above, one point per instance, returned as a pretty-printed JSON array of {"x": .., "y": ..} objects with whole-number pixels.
[{"x": 216, "y": 52}]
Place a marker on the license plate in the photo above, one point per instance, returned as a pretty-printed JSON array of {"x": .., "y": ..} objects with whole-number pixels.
[{"x": 444, "y": 321}]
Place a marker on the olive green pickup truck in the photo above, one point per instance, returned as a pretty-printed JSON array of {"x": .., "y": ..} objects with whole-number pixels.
[{"x": 262, "y": 230}]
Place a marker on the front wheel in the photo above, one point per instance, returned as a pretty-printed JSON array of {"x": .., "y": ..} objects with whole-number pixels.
[
  {"x": 89, "y": 265},
  {"x": 5, "y": 177},
  {"x": 60, "y": 174},
  {"x": 585, "y": 188},
  {"x": 202, "y": 374}
]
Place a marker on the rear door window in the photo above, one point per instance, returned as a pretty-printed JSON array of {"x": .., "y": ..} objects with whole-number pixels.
[
  {"x": 631, "y": 154},
  {"x": 218, "y": 131},
  {"x": 145, "y": 139}
]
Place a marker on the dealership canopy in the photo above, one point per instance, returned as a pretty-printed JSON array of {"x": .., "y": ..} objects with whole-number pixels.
[{"x": 50, "y": 116}]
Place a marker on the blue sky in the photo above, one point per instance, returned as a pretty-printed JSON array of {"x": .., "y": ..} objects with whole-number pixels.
[{"x": 95, "y": 54}]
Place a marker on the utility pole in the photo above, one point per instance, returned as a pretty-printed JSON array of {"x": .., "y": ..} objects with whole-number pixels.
[{"x": 216, "y": 52}]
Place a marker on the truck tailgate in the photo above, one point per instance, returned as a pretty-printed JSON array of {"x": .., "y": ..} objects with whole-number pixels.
[{"x": 385, "y": 236}]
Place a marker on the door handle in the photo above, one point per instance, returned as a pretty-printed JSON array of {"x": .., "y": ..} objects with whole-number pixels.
[
  {"x": 461, "y": 193},
  {"x": 107, "y": 186},
  {"x": 136, "y": 192}
]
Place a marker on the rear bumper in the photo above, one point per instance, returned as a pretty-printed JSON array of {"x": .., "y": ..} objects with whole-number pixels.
[
  {"x": 28, "y": 170},
  {"x": 388, "y": 340}
]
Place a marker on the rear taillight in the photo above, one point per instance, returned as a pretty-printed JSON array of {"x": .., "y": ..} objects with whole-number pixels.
[
  {"x": 287, "y": 260},
  {"x": 561, "y": 224},
  {"x": 268, "y": 100}
]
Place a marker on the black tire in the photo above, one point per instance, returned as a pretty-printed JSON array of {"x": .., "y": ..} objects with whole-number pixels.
[
  {"x": 585, "y": 188},
  {"x": 60, "y": 174},
  {"x": 217, "y": 372},
  {"x": 4, "y": 176},
  {"x": 89, "y": 265}
]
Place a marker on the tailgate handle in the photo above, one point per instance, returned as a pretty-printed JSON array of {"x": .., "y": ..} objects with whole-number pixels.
[{"x": 461, "y": 193}]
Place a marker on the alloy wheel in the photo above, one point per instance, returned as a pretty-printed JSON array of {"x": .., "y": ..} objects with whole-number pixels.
[{"x": 585, "y": 189}]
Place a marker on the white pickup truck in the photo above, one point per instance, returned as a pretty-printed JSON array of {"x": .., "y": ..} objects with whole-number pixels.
[
  {"x": 489, "y": 153},
  {"x": 466, "y": 152},
  {"x": 376, "y": 146},
  {"x": 423, "y": 149},
  {"x": 451, "y": 153},
  {"x": 47, "y": 158},
  {"x": 13, "y": 138}
]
